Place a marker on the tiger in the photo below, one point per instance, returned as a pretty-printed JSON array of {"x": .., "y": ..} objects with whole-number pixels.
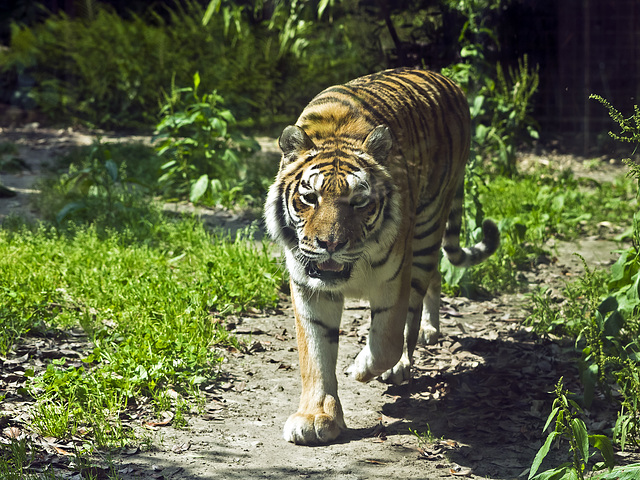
[{"x": 369, "y": 191}]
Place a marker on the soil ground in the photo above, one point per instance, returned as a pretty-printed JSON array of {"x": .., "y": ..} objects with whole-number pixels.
[{"x": 480, "y": 394}]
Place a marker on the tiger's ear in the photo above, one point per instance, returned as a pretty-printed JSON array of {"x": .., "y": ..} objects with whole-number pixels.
[
  {"x": 294, "y": 140},
  {"x": 379, "y": 143}
]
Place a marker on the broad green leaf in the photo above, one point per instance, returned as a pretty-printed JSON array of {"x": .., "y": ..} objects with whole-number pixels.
[
  {"x": 199, "y": 188},
  {"x": 582, "y": 438},
  {"x": 537, "y": 461},
  {"x": 216, "y": 185},
  {"x": 169, "y": 164},
  {"x": 627, "y": 472},
  {"x": 213, "y": 7},
  {"x": 609, "y": 304},
  {"x": 618, "y": 269},
  {"x": 112, "y": 169},
  {"x": 322, "y": 5},
  {"x": 602, "y": 443},
  {"x": 563, "y": 472},
  {"x": 552, "y": 415},
  {"x": 613, "y": 324},
  {"x": 589, "y": 379},
  {"x": 69, "y": 208}
]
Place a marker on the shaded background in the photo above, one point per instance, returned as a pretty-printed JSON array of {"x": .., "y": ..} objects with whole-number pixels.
[{"x": 581, "y": 47}]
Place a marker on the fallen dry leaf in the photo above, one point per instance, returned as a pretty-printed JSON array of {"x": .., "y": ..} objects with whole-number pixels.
[
  {"x": 458, "y": 471},
  {"x": 167, "y": 417},
  {"x": 12, "y": 432},
  {"x": 62, "y": 451},
  {"x": 181, "y": 448},
  {"x": 374, "y": 461}
]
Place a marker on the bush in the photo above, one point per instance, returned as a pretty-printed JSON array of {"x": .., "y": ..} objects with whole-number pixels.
[
  {"x": 108, "y": 72},
  {"x": 205, "y": 155}
]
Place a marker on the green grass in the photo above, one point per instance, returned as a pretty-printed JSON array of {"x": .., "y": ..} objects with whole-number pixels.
[
  {"x": 532, "y": 208},
  {"x": 151, "y": 305},
  {"x": 569, "y": 314}
]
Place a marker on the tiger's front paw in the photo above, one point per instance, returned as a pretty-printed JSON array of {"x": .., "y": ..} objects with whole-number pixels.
[{"x": 320, "y": 426}]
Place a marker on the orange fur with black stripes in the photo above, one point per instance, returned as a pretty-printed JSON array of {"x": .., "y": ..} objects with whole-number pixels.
[{"x": 370, "y": 188}]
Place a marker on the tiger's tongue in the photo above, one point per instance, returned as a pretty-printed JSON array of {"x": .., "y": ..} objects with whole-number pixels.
[{"x": 331, "y": 266}]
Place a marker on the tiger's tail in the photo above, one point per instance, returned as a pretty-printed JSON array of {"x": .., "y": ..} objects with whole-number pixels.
[{"x": 465, "y": 257}]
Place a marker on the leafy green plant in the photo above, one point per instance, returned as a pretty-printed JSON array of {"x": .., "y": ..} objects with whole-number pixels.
[
  {"x": 606, "y": 328},
  {"x": 627, "y": 428},
  {"x": 108, "y": 71},
  {"x": 567, "y": 314},
  {"x": 500, "y": 101},
  {"x": 570, "y": 428},
  {"x": 611, "y": 355},
  {"x": 205, "y": 153},
  {"x": 509, "y": 101},
  {"x": 624, "y": 283},
  {"x": 500, "y": 106},
  {"x": 96, "y": 182},
  {"x": 629, "y": 126},
  {"x": 96, "y": 187}
]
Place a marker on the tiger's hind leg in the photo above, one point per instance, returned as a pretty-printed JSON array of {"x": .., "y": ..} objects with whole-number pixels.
[
  {"x": 430, "y": 321},
  {"x": 422, "y": 322}
]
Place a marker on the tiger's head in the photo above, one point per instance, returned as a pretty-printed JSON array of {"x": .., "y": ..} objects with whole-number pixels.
[{"x": 332, "y": 200}]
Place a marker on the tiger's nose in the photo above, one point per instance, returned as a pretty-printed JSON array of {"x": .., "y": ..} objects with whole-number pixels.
[{"x": 330, "y": 245}]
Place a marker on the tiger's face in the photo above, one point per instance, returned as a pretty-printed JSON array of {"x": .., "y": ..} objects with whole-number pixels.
[
  {"x": 334, "y": 205},
  {"x": 334, "y": 210}
]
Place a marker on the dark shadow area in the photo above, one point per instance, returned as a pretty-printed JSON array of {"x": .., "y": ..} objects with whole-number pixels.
[{"x": 492, "y": 408}]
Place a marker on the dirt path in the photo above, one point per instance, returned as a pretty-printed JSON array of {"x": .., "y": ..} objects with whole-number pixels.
[{"x": 481, "y": 392}]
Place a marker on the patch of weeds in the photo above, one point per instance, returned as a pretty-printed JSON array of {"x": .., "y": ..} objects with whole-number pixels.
[
  {"x": 584, "y": 447},
  {"x": 529, "y": 210},
  {"x": 52, "y": 419},
  {"x": 169, "y": 400},
  {"x": 568, "y": 312},
  {"x": 572, "y": 430},
  {"x": 17, "y": 456},
  {"x": 611, "y": 361},
  {"x": 18, "y": 462},
  {"x": 627, "y": 374},
  {"x": 141, "y": 160},
  {"x": 425, "y": 438},
  {"x": 97, "y": 189}
]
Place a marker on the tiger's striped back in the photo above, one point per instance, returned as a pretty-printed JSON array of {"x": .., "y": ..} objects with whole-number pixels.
[{"x": 370, "y": 184}]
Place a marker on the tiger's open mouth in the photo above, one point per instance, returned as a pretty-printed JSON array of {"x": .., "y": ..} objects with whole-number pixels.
[{"x": 329, "y": 270}]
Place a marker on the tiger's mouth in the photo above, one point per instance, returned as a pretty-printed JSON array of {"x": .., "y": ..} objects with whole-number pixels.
[{"x": 329, "y": 270}]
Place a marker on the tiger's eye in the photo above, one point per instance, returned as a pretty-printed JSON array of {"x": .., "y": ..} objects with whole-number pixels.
[
  {"x": 310, "y": 198},
  {"x": 359, "y": 201}
]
